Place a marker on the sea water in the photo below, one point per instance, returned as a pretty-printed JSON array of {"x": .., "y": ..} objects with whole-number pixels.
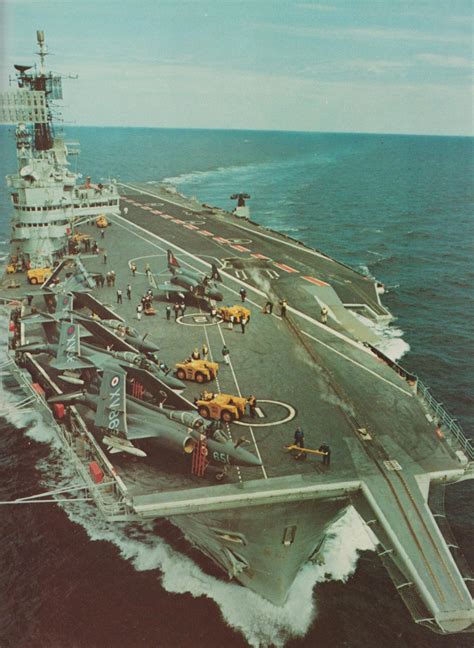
[{"x": 395, "y": 207}]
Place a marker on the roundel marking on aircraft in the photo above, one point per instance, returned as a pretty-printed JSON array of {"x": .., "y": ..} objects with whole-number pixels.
[
  {"x": 71, "y": 329},
  {"x": 114, "y": 382}
]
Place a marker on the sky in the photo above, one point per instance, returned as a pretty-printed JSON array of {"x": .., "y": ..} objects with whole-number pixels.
[{"x": 379, "y": 66}]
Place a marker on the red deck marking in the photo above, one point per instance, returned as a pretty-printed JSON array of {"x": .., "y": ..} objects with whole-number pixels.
[
  {"x": 284, "y": 267},
  {"x": 318, "y": 282},
  {"x": 167, "y": 216},
  {"x": 219, "y": 239},
  {"x": 259, "y": 256},
  {"x": 155, "y": 211},
  {"x": 191, "y": 227},
  {"x": 240, "y": 248},
  {"x": 178, "y": 220},
  {"x": 205, "y": 233}
]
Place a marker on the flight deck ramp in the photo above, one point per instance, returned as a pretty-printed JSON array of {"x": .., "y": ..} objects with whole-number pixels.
[{"x": 415, "y": 553}]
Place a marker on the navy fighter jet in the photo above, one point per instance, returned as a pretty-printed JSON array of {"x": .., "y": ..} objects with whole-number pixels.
[
  {"x": 124, "y": 419},
  {"x": 190, "y": 282},
  {"x": 70, "y": 355}
]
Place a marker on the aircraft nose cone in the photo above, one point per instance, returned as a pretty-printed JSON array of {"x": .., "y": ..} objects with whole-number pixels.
[
  {"x": 30, "y": 347},
  {"x": 149, "y": 347},
  {"x": 172, "y": 382},
  {"x": 243, "y": 457}
]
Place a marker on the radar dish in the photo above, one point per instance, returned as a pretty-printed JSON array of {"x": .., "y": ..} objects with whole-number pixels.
[
  {"x": 26, "y": 171},
  {"x": 22, "y": 68}
]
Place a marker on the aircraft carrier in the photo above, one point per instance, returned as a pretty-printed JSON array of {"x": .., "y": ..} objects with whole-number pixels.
[{"x": 110, "y": 286}]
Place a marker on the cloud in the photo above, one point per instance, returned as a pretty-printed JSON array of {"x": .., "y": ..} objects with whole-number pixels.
[
  {"x": 316, "y": 6},
  {"x": 368, "y": 33},
  {"x": 440, "y": 60}
]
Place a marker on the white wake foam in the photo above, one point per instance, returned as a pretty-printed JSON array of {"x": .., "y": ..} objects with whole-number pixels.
[
  {"x": 391, "y": 340},
  {"x": 261, "y": 623}
]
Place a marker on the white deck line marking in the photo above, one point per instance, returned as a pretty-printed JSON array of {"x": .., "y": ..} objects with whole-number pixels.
[
  {"x": 218, "y": 326},
  {"x": 149, "y": 234},
  {"x": 259, "y": 412},
  {"x": 240, "y": 394},
  {"x": 359, "y": 365},
  {"x": 239, "y": 474}
]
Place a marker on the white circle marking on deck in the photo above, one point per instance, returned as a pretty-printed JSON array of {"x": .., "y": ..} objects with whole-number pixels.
[{"x": 291, "y": 415}]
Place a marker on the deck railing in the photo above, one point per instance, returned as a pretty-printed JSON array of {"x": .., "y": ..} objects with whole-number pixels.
[{"x": 445, "y": 419}]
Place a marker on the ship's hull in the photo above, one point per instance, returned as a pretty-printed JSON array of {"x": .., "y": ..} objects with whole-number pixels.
[{"x": 264, "y": 547}]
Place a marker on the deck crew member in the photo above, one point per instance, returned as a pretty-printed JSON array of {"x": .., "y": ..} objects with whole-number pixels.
[
  {"x": 133, "y": 268},
  {"x": 268, "y": 307},
  {"x": 195, "y": 355},
  {"x": 119, "y": 296},
  {"x": 214, "y": 314},
  {"x": 299, "y": 441},
  {"x": 205, "y": 351},
  {"x": 243, "y": 294},
  {"x": 139, "y": 311},
  {"x": 225, "y": 353},
  {"x": 105, "y": 256},
  {"x": 283, "y": 307},
  {"x": 182, "y": 308},
  {"x": 176, "y": 311},
  {"x": 252, "y": 403},
  {"x": 129, "y": 292},
  {"x": 324, "y": 314},
  {"x": 243, "y": 323},
  {"x": 168, "y": 312},
  {"x": 327, "y": 453}
]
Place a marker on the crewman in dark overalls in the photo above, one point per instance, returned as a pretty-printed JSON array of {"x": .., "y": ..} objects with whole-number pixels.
[
  {"x": 299, "y": 441},
  {"x": 327, "y": 453}
]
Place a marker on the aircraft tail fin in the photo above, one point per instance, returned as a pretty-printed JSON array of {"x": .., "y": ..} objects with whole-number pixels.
[
  {"x": 111, "y": 411},
  {"x": 172, "y": 260},
  {"x": 215, "y": 273},
  {"x": 69, "y": 348}
]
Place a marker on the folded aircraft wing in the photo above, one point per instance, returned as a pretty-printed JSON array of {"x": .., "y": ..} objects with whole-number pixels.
[{"x": 171, "y": 288}]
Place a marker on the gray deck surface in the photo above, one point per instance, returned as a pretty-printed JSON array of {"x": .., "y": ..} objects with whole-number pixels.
[{"x": 321, "y": 377}]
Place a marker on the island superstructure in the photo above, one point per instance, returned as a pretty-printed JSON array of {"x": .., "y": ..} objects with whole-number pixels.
[{"x": 393, "y": 448}]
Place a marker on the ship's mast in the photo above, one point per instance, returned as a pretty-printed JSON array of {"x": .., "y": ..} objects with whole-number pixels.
[{"x": 43, "y": 130}]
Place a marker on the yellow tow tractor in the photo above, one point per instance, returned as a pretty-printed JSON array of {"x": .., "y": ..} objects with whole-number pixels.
[
  {"x": 198, "y": 370},
  {"x": 38, "y": 275},
  {"x": 224, "y": 407},
  {"x": 78, "y": 237},
  {"x": 239, "y": 312},
  {"x": 101, "y": 221}
]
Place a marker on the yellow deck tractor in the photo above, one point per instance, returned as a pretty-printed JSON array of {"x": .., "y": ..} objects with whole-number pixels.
[
  {"x": 101, "y": 221},
  {"x": 238, "y": 312},
  {"x": 198, "y": 370},
  {"x": 38, "y": 275},
  {"x": 224, "y": 407}
]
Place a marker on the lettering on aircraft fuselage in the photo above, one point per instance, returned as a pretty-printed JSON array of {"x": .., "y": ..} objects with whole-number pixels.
[
  {"x": 71, "y": 344},
  {"x": 221, "y": 457},
  {"x": 114, "y": 405}
]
